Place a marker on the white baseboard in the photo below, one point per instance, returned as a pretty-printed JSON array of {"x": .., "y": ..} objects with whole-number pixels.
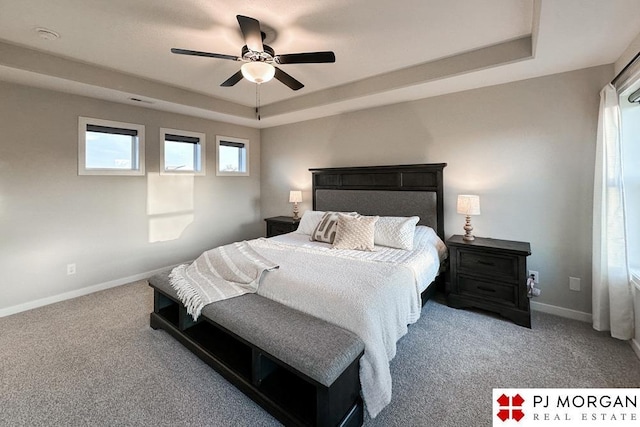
[
  {"x": 576, "y": 315},
  {"x": 562, "y": 312},
  {"x": 77, "y": 293}
]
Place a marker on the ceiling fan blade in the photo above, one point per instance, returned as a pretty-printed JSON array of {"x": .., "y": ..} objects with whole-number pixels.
[
  {"x": 207, "y": 54},
  {"x": 306, "y": 58},
  {"x": 232, "y": 80},
  {"x": 251, "y": 31},
  {"x": 287, "y": 79}
]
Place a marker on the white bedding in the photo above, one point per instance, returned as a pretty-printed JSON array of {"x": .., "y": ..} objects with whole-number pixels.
[
  {"x": 373, "y": 294},
  {"x": 424, "y": 259}
]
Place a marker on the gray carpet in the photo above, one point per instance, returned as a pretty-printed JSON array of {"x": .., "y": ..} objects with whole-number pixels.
[{"x": 94, "y": 361}]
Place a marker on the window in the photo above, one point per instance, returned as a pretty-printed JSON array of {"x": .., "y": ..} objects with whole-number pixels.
[
  {"x": 630, "y": 115},
  {"x": 182, "y": 152},
  {"x": 110, "y": 148},
  {"x": 233, "y": 156}
]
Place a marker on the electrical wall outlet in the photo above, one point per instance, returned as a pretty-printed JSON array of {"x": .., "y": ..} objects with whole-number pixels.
[
  {"x": 71, "y": 269},
  {"x": 536, "y": 276},
  {"x": 574, "y": 283}
]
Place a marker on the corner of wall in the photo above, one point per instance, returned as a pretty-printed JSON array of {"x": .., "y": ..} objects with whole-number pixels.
[{"x": 627, "y": 55}]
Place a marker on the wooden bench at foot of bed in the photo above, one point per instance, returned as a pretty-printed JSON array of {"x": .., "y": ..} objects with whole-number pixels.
[{"x": 301, "y": 369}]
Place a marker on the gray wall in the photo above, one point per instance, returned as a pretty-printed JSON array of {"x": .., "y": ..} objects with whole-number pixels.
[
  {"x": 527, "y": 148},
  {"x": 111, "y": 227}
]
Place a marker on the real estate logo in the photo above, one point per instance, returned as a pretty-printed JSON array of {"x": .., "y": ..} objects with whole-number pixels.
[
  {"x": 556, "y": 407},
  {"x": 510, "y": 407}
]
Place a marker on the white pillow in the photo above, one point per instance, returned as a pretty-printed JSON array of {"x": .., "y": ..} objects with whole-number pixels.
[
  {"x": 309, "y": 222},
  {"x": 326, "y": 229},
  {"x": 355, "y": 232},
  {"x": 396, "y": 231}
]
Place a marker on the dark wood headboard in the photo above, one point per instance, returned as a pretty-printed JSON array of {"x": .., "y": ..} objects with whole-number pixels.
[{"x": 399, "y": 190}]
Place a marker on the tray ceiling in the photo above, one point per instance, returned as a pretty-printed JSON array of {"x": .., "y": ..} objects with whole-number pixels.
[{"x": 386, "y": 52}]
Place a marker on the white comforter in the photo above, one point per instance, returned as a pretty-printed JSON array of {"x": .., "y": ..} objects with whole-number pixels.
[
  {"x": 371, "y": 294},
  {"x": 428, "y": 250}
]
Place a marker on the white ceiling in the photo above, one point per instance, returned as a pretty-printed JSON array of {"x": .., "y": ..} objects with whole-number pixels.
[{"x": 386, "y": 52}]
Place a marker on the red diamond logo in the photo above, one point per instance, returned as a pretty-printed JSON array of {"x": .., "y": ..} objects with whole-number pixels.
[
  {"x": 503, "y": 414},
  {"x": 503, "y": 400},
  {"x": 517, "y": 414},
  {"x": 517, "y": 400}
]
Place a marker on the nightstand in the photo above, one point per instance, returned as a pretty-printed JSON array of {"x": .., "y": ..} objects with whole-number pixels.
[
  {"x": 281, "y": 225},
  {"x": 490, "y": 274}
]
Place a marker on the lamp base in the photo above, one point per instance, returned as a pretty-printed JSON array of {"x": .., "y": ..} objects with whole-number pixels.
[
  {"x": 296, "y": 213},
  {"x": 467, "y": 230}
]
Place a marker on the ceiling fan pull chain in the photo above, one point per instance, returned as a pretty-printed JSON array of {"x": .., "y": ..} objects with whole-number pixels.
[{"x": 258, "y": 101}]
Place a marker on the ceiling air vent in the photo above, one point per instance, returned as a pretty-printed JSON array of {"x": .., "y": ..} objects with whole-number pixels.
[
  {"x": 144, "y": 101},
  {"x": 47, "y": 34}
]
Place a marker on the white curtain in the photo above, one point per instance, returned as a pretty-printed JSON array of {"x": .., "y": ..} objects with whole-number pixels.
[{"x": 612, "y": 292}]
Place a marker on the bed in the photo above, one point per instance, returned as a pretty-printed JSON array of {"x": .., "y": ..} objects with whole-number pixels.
[
  {"x": 374, "y": 295},
  {"x": 402, "y": 190}
]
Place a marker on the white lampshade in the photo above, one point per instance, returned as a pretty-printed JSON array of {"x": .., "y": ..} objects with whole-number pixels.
[
  {"x": 468, "y": 204},
  {"x": 258, "y": 72},
  {"x": 295, "y": 196}
]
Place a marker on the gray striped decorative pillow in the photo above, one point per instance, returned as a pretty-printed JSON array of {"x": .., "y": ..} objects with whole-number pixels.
[{"x": 326, "y": 229}]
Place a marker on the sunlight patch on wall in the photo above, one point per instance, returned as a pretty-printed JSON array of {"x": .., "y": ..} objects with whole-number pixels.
[
  {"x": 169, "y": 206},
  {"x": 166, "y": 228}
]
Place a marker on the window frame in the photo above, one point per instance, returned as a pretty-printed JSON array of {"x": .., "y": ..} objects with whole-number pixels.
[
  {"x": 220, "y": 140},
  {"x": 629, "y": 138},
  {"x": 137, "y": 147},
  {"x": 189, "y": 134}
]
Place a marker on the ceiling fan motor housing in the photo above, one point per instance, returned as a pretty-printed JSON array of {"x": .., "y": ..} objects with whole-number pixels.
[{"x": 267, "y": 55}]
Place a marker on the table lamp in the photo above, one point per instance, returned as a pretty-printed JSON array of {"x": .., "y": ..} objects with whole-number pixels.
[
  {"x": 468, "y": 204},
  {"x": 295, "y": 197}
]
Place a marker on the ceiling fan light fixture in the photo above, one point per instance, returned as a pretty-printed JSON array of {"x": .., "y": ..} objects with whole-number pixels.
[
  {"x": 258, "y": 72},
  {"x": 260, "y": 60}
]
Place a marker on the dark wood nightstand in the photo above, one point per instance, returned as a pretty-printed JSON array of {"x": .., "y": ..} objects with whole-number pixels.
[
  {"x": 281, "y": 225},
  {"x": 490, "y": 274}
]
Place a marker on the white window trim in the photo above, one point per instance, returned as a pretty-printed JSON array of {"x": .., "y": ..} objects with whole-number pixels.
[
  {"x": 220, "y": 138},
  {"x": 203, "y": 151},
  {"x": 82, "y": 129}
]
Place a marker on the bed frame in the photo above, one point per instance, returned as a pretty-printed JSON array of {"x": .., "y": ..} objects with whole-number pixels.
[
  {"x": 395, "y": 190},
  {"x": 276, "y": 378}
]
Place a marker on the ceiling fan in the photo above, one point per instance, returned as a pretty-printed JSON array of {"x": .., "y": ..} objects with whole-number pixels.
[{"x": 260, "y": 60}]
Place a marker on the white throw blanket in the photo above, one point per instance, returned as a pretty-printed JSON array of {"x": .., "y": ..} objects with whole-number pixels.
[
  {"x": 224, "y": 272},
  {"x": 374, "y": 300}
]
